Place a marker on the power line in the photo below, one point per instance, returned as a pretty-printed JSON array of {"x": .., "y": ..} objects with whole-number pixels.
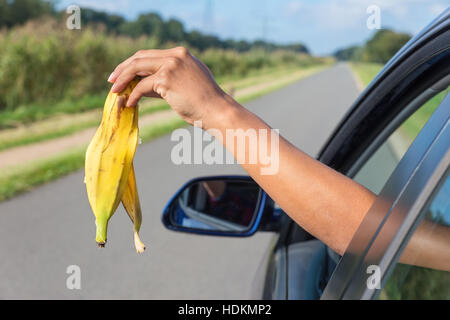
[{"x": 208, "y": 16}]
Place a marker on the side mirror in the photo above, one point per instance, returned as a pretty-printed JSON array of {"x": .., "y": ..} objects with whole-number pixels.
[{"x": 221, "y": 205}]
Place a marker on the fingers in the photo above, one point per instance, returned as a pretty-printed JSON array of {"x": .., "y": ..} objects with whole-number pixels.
[
  {"x": 155, "y": 65},
  {"x": 144, "y": 87},
  {"x": 139, "y": 66},
  {"x": 139, "y": 54},
  {"x": 113, "y": 76},
  {"x": 142, "y": 54}
]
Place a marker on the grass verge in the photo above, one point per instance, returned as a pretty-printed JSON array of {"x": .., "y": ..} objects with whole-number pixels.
[
  {"x": 412, "y": 126},
  {"x": 23, "y": 178},
  {"x": 31, "y": 113},
  {"x": 27, "y": 114},
  {"x": 63, "y": 126},
  {"x": 366, "y": 71}
]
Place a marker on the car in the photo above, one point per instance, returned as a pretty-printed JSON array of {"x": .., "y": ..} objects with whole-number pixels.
[{"x": 381, "y": 144}]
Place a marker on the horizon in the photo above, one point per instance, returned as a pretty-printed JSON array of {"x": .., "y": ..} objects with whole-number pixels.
[{"x": 343, "y": 22}]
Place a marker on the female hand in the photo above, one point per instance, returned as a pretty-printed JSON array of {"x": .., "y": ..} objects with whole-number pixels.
[{"x": 175, "y": 76}]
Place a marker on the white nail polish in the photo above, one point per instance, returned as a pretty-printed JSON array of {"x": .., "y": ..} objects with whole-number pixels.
[{"x": 110, "y": 77}]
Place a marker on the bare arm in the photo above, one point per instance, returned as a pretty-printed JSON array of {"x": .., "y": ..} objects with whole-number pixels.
[{"x": 324, "y": 202}]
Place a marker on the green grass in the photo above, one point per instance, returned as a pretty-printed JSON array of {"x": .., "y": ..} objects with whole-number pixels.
[
  {"x": 48, "y": 132},
  {"x": 269, "y": 89},
  {"x": 257, "y": 76},
  {"x": 366, "y": 71},
  {"x": 23, "y": 178},
  {"x": 27, "y": 114},
  {"x": 412, "y": 126},
  {"x": 31, "y": 113},
  {"x": 29, "y": 139}
]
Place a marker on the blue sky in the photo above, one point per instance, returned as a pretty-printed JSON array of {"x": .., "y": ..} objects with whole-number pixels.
[{"x": 323, "y": 25}]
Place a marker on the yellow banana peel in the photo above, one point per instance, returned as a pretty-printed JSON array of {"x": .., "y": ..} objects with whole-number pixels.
[{"x": 109, "y": 170}]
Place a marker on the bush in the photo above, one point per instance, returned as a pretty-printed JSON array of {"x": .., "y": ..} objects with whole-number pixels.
[
  {"x": 383, "y": 45},
  {"x": 42, "y": 62}
]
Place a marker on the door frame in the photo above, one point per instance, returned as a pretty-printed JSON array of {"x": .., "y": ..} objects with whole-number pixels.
[{"x": 396, "y": 212}]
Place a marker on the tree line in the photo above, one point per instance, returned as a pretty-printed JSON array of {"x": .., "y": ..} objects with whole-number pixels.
[
  {"x": 17, "y": 12},
  {"x": 379, "y": 49}
]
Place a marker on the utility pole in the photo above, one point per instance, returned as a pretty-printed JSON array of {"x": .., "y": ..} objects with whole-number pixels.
[
  {"x": 265, "y": 21},
  {"x": 208, "y": 17}
]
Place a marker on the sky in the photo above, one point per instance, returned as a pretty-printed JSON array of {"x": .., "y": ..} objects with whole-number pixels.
[{"x": 323, "y": 25}]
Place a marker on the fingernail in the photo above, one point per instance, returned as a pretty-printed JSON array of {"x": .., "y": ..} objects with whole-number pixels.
[
  {"x": 110, "y": 77},
  {"x": 113, "y": 88}
]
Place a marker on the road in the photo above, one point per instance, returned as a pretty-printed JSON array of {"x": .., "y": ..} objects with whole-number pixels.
[{"x": 44, "y": 231}]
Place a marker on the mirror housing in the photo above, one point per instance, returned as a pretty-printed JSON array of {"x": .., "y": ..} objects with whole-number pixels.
[{"x": 221, "y": 206}]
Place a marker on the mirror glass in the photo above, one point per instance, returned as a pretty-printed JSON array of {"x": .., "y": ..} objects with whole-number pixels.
[{"x": 217, "y": 205}]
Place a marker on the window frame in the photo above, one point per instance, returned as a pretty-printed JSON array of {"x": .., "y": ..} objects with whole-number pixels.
[
  {"x": 396, "y": 212},
  {"x": 394, "y": 94}
]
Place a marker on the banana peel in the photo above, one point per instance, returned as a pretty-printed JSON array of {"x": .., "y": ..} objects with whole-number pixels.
[{"x": 109, "y": 170}]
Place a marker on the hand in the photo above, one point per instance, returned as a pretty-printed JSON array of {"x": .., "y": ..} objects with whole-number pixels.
[{"x": 175, "y": 76}]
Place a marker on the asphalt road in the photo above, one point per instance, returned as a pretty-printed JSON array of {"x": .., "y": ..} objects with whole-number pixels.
[{"x": 44, "y": 231}]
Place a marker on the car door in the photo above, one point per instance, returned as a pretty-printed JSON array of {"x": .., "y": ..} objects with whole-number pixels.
[
  {"x": 410, "y": 219},
  {"x": 299, "y": 266},
  {"x": 365, "y": 144}
]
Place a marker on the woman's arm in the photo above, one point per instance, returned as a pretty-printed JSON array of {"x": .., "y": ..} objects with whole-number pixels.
[{"x": 324, "y": 202}]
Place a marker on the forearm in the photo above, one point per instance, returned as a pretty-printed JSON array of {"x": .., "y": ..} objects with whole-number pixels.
[
  {"x": 324, "y": 202},
  {"x": 428, "y": 246}
]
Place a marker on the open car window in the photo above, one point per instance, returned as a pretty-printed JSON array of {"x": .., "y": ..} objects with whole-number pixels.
[
  {"x": 397, "y": 214},
  {"x": 430, "y": 242},
  {"x": 377, "y": 169}
]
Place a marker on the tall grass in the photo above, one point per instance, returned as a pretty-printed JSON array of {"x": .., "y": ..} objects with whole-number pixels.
[{"x": 43, "y": 64}]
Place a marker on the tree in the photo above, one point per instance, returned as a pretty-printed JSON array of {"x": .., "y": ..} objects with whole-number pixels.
[
  {"x": 174, "y": 30},
  {"x": 352, "y": 53},
  {"x": 111, "y": 21},
  {"x": 383, "y": 45},
  {"x": 14, "y": 12},
  {"x": 150, "y": 24}
]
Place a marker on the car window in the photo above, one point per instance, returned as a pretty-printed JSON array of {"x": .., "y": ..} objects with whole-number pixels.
[
  {"x": 377, "y": 169},
  {"x": 413, "y": 282}
]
